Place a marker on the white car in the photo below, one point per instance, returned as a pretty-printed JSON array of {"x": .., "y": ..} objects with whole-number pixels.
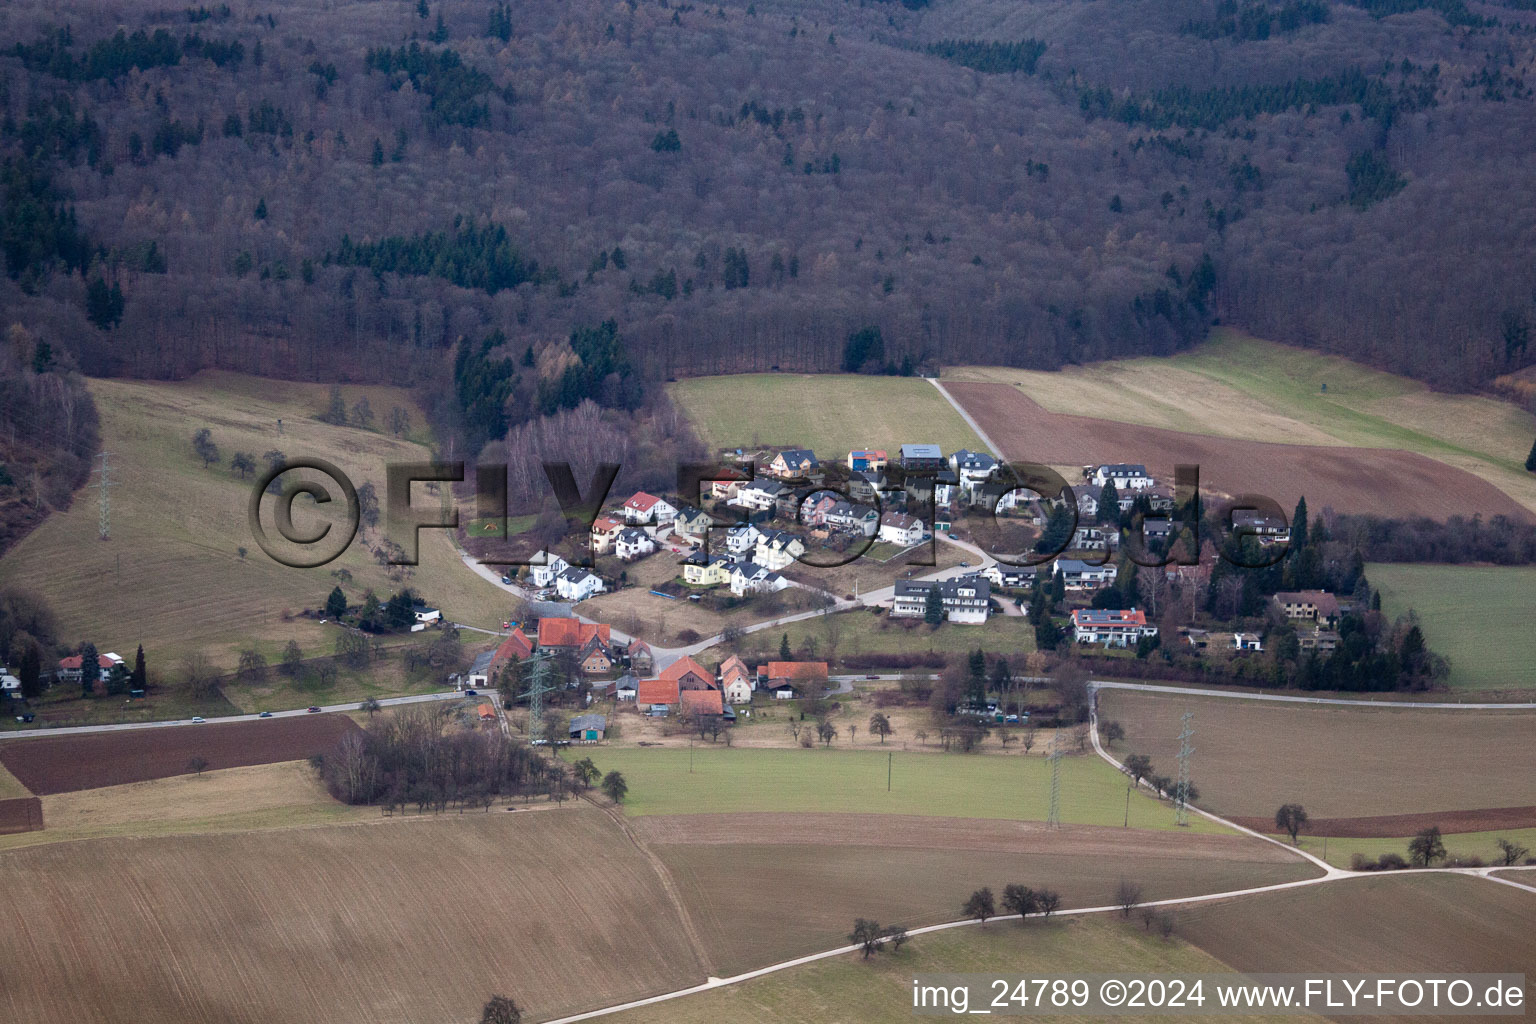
[{"x": 197, "y": 720}]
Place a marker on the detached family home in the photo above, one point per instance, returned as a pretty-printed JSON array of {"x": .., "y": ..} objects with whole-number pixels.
[
  {"x": 605, "y": 530},
  {"x": 692, "y": 524},
  {"x": 647, "y": 508},
  {"x": 898, "y": 528},
  {"x": 758, "y": 495},
  {"x": 921, "y": 457},
  {"x": 1112, "y": 627},
  {"x": 703, "y": 570},
  {"x": 752, "y": 578},
  {"x": 576, "y": 584},
  {"x": 1268, "y": 527},
  {"x": 633, "y": 543},
  {"x": 1317, "y": 606},
  {"x": 1087, "y": 497},
  {"x": 1079, "y": 575},
  {"x": 851, "y": 518},
  {"x": 797, "y": 677},
  {"x": 861, "y": 459},
  {"x": 544, "y": 575},
  {"x": 793, "y": 463},
  {"x": 736, "y": 681},
  {"x": 776, "y": 549}
]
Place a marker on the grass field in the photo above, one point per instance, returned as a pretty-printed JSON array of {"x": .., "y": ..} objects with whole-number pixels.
[
  {"x": 10, "y": 785},
  {"x": 407, "y": 920},
  {"x": 1242, "y": 387},
  {"x": 829, "y": 413},
  {"x": 1405, "y": 924},
  {"x": 952, "y": 785},
  {"x": 264, "y": 796},
  {"x": 849, "y": 990},
  {"x": 1338, "y": 762},
  {"x": 1458, "y": 845},
  {"x": 812, "y": 874},
  {"x": 173, "y": 576},
  {"x": 863, "y": 632},
  {"x": 1477, "y": 616}
]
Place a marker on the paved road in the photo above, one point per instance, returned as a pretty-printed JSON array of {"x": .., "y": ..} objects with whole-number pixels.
[
  {"x": 1330, "y": 874},
  {"x": 386, "y": 702},
  {"x": 1290, "y": 698}
]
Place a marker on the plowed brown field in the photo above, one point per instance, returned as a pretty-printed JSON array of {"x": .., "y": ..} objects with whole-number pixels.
[
  {"x": 1378, "y": 480},
  {"x": 61, "y": 764}
]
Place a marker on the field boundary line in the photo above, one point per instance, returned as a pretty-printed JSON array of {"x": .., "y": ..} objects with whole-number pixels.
[
  {"x": 969, "y": 419},
  {"x": 1291, "y": 698},
  {"x": 664, "y": 875}
]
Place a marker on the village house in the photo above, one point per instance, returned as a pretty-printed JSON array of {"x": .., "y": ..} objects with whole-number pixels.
[
  {"x": 919, "y": 457},
  {"x": 69, "y": 670},
  {"x": 698, "y": 703},
  {"x": 777, "y": 549},
  {"x": 1087, "y": 497},
  {"x": 595, "y": 658},
  {"x": 516, "y": 647},
  {"x": 752, "y": 578},
  {"x": 1323, "y": 641},
  {"x": 633, "y": 543},
  {"x": 570, "y": 634},
  {"x": 692, "y": 524},
  {"x": 641, "y": 659},
  {"x": 1160, "y": 497},
  {"x": 656, "y": 696},
  {"x": 866, "y": 459},
  {"x": 867, "y": 485},
  {"x": 575, "y": 584},
  {"x": 758, "y": 495},
  {"x": 850, "y": 518},
  {"x": 1268, "y": 527},
  {"x": 605, "y": 530},
  {"x": 898, "y": 528},
  {"x": 1111, "y": 627},
  {"x": 688, "y": 674},
  {"x": 813, "y": 508},
  {"x": 971, "y": 469},
  {"x": 740, "y": 540},
  {"x": 997, "y": 497},
  {"x": 701, "y": 570},
  {"x": 793, "y": 464},
  {"x": 725, "y": 490},
  {"x": 945, "y": 484},
  {"x": 965, "y": 599},
  {"x": 799, "y": 677},
  {"x": 647, "y": 508},
  {"x": 624, "y": 688},
  {"x": 1127, "y": 476},
  {"x": 544, "y": 575},
  {"x": 1009, "y": 577},
  {"x": 1317, "y": 606},
  {"x": 1079, "y": 575},
  {"x": 736, "y": 681}
]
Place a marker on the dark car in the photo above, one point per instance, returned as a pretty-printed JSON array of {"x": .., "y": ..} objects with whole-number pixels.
[
  {"x": 265, "y": 714},
  {"x": 313, "y": 709},
  {"x": 471, "y": 693}
]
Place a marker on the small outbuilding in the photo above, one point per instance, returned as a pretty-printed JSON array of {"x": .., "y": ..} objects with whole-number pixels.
[{"x": 588, "y": 728}]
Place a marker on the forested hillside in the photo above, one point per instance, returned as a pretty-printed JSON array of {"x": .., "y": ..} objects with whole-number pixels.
[{"x": 595, "y": 196}]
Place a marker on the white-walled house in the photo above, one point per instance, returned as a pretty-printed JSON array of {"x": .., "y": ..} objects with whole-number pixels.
[
  {"x": 647, "y": 508},
  {"x": 632, "y": 544},
  {"x": 1125, "y": 475},
  {"x": 752, "y": 578},
  {"x": 1111, "y": 627},
  {"x": 544, "y": 575},
  {"x": 899, "y": 528},
  {"x": 740, "y": 540},
  {"x": 965, "y": 599},
  {"x": 576, "y": 584},
  {"x": 757, "y": 495},
  {"x": 776, "y": 549}
]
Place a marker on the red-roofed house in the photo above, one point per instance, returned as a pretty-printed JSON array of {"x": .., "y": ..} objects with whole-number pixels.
[
  {"x": 69, "y": 669},
  {"x": 656, "y": 693},
  {"x": 486, "y": 712},
  {"x": 804, "y": 676},
  {"x": 647, "y": 508},
  {"x": 566, "y": 632},
  {"x": 735, "y": 681},
  {"x": 605, "y": 530},
  {"x": 515, "y": 646},
  {"x": 595, "y": 657},
  {"x": 688, "y": 675},
  {"x": 702, "y": 702}
]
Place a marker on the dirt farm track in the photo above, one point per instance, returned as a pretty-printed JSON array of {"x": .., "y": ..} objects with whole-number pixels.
[
  {"x": 63, "y": 764},
  {"x": 1376, "y": 480}
]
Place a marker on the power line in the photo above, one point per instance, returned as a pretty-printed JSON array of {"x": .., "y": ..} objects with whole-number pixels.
[
  {"x": 1181, "y": 793},
  {"x": 1053, "y": 816},
  {"x": 104, "y": 496}
]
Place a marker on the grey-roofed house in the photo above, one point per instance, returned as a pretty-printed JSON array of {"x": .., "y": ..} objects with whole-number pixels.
[{"x": 922, "y": 456}]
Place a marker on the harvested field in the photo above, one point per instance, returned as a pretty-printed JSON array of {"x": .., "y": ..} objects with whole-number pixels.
[
  {"x": 1338, "y": 762},
  {"x": 850, "y": 990},
  {"x": 1406, "y": 924},
  {"x": 60, "y": 764},
  {"x": 1377, "y": 480},
  {"x": 803, "y": 895},
  {"x": 1391, "y": 826},
  {"x": 408, "y": 921}
]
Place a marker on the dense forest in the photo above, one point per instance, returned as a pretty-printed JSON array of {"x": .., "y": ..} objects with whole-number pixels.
[{"x": 536, "y": 206}]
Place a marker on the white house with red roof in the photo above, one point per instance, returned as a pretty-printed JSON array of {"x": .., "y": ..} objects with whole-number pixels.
[
  {"x": 647, "y": 508},
  {"x": 1111, "y": 627}
]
